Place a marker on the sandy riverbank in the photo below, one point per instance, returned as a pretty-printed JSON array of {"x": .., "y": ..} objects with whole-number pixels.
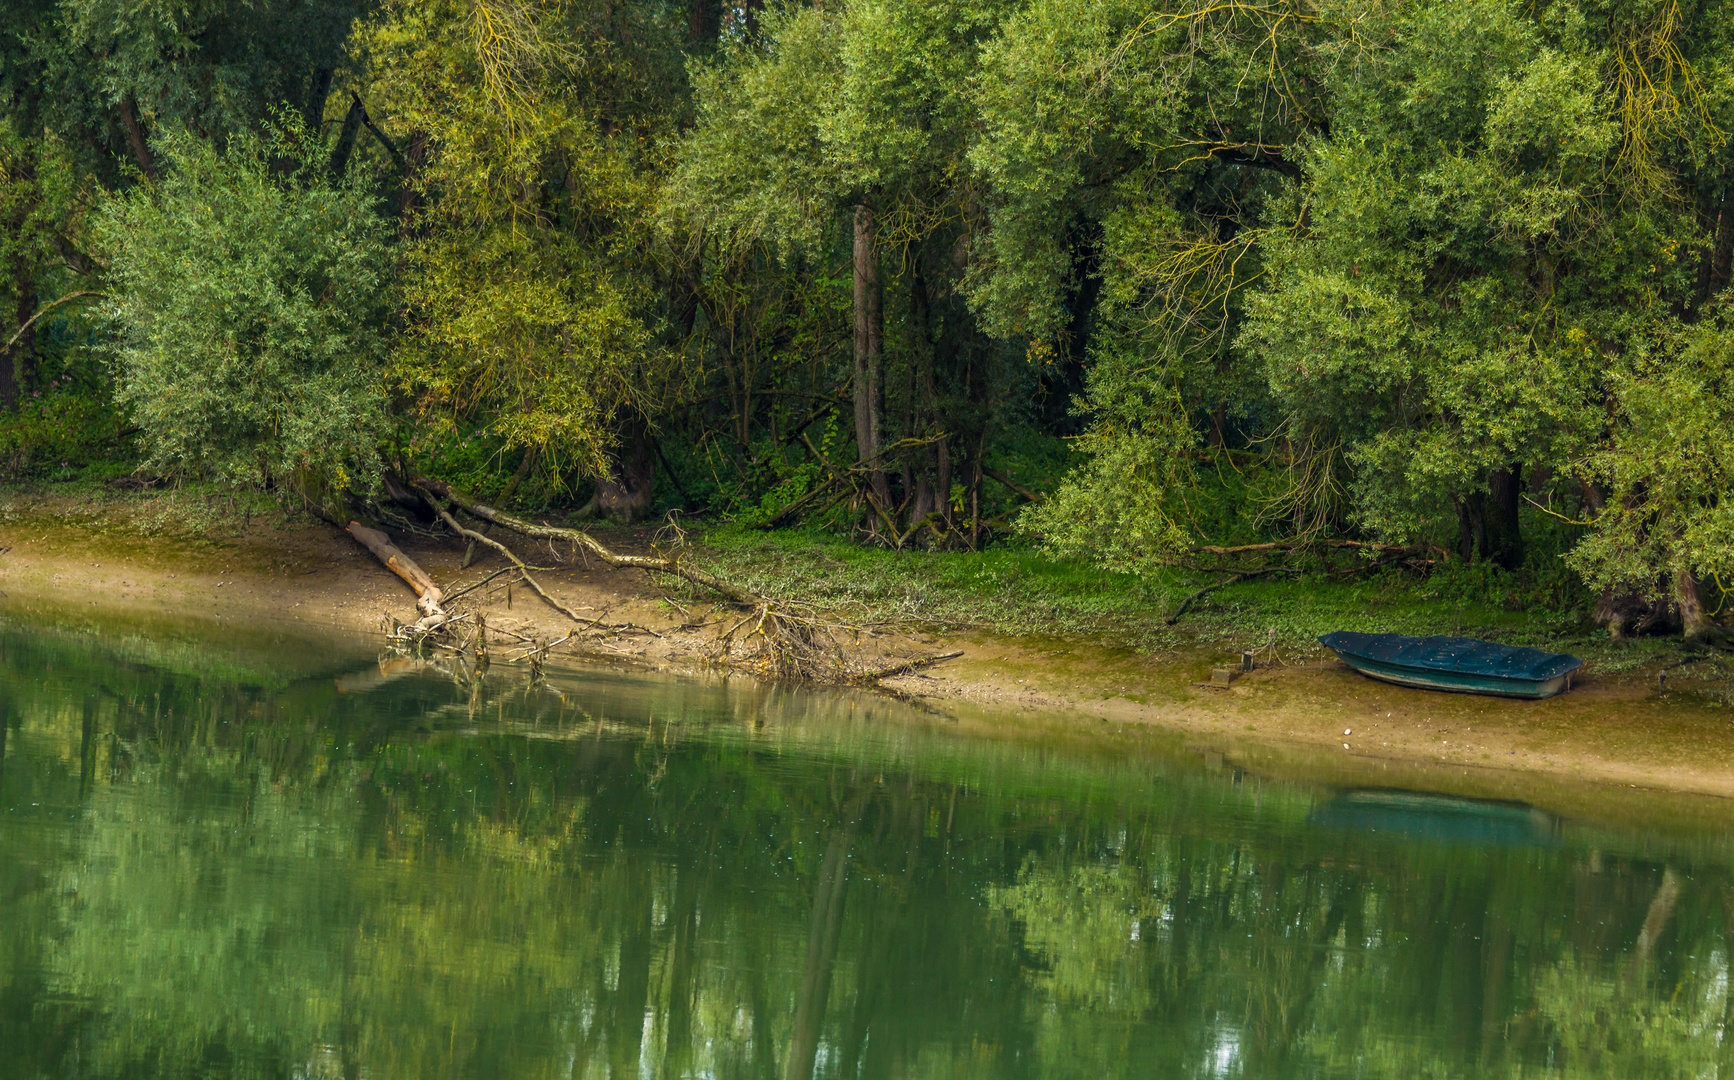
[{"x": 1623, "y": 731}]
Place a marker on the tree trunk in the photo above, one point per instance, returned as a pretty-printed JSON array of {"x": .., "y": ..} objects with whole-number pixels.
[
  {"x": 428, "y": 595},
  {"x": 1503, "y": 535},
  {"x": 1471, "y": 527},
  {"x": 15, "y": 362},
  {"x": 321, "y": 90},
  {"x": 626, "y": 496},
  {"x": 135, "y": 138},
  {"x": 1697, "y": 626},
  {"x": 869, "y": 352},
  {"x": 346, "y": 137},
  {"x": 703, "y": 21}
]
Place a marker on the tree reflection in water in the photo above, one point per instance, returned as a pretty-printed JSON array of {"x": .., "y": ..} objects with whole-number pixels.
[{"x": 258, "y": 864}]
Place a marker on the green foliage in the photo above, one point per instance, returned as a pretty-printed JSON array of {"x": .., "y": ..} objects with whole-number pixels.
[
  {"x": 249, "y": 314},
  {"x": 56, "y": 433},
  {"x": 528, "y": 277},
  {"x": 1669, "y": 469}
]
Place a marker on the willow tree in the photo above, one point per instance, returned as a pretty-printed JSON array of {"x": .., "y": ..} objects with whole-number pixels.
[
  {"x": 531, "y": 131},
  {"x": 1405, "y": 248},
  {"x": 248, "y": 315},
  {"x": 1130, "y": 155}
]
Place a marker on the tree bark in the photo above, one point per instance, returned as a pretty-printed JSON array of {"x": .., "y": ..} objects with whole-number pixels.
[
  {"x": 1504, "y": 536},
  {"x": 346, "y": 137},
  {"x": 428, "y": 595},
  {"x": 15, "y": 358},
  {"x": 626, "y": 496},
  {"x": 1697, "y": 626},
  {"x": 869, "y": 351},
  {"x": 135, "y": 138}
]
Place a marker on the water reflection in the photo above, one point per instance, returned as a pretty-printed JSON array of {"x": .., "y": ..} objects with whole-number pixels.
[
  {"x": 1438, "y": 818},
  {"x": 303, "y": 864}
]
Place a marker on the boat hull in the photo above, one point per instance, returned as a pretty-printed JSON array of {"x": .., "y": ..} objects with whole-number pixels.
[{"x": 1458, "y": 682}]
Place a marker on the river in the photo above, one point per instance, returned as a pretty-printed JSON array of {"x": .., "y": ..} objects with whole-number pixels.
[{"x": 242, "y": 855}]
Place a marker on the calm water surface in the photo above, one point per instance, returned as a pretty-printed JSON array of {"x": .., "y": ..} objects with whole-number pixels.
[{"x": 271, "y": 858}]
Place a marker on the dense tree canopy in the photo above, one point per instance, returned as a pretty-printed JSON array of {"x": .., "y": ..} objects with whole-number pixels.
[{"x": 1440, "y": 276}]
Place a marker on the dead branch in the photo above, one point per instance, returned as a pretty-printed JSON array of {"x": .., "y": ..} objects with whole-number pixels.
[
  {"x": 1223, "y": 584},
  {"x": 428, "y": 595},
  {"x": 523, "y": 570},
  {"x": 907, "y": 667},
  {"x": 479, "y": 584},
  {"x": 650, "y": 563},
  {"x": 1019, "y": 489}
]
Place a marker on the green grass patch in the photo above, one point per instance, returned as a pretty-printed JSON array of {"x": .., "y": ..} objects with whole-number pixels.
[{"x": 1015, "y": 589}]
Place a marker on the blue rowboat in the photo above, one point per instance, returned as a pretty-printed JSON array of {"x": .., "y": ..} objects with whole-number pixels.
[{"x": 1462, "y": 665}]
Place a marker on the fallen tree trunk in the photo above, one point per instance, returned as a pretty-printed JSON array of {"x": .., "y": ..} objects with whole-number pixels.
[
  {"x": 428, "y": 596},
  {"x": 654, "y": 564}
]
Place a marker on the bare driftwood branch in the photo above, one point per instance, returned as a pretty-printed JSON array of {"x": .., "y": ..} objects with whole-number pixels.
[
  {"x": 907, "y": 667},
  {"x": 428, "y": 596},
  {"x": 654, "y": 564},
  {"x": 523, "y": 571}
]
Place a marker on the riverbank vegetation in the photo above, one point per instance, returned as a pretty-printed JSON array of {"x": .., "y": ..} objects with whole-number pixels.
[{"x": 1286, "y": 300}]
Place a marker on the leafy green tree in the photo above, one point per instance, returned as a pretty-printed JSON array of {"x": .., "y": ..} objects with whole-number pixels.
[
  {"x": 1668, "y": 519},
  {"x": 250, "y": 313},
  {"x": 533, "y": 130}
]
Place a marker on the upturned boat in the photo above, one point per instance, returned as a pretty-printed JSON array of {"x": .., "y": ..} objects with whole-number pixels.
[{"x": 1461, "y": 665}]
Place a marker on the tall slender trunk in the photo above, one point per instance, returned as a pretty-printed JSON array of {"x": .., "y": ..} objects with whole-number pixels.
[
  {"x": 15, "y": 363},
  {"x": 869, "y": 351}
]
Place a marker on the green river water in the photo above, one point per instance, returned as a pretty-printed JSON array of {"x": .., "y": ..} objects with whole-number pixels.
[{"x": 241, "y": 855}]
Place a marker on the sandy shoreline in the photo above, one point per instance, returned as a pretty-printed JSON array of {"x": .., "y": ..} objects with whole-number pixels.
[{"x": 1619, "y": 732}]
